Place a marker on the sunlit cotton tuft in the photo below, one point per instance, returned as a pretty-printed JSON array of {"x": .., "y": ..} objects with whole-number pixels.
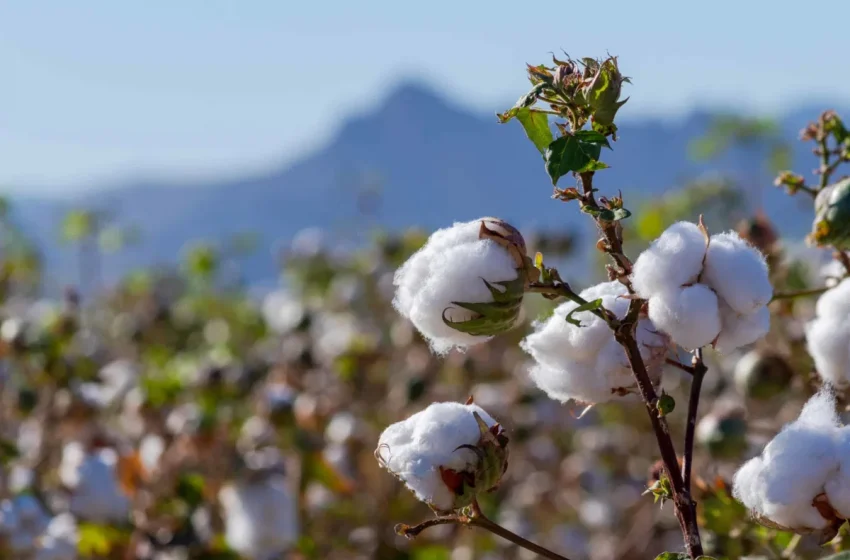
[
  {"x": 828, "y": 335},
  {"x": 704, "y": 290},
  {"x": 451, "y": 268},
  {"x": 416, "y": 449},
  {"x": 586, "y": 364}
]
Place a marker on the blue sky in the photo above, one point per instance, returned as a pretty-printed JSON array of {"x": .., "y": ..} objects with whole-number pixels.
[{"x": 95, "y": 92}]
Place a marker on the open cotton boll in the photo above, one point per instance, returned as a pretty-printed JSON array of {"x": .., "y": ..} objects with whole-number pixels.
[
  {"x": 260, "y": 517},
  {"x": 838, "y": 485},
  {"x": 828, "y": 342},
  {"x": 738, "y": 272},
  {"x": 689, "y": 315},
  {"x": 739, "y": 330},
  {"x": 835, "y": 302},
  {"x": 573, "y": 381},
  {"x": 793, "y": 469},
  {"x": 450, "y": 268},
  {"x": 555, "y": 342},
  {"x": 674, "y": 259},
  {"x": 417, "y": 450}
]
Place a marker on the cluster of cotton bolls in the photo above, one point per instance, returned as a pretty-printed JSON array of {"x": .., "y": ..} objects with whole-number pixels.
[
  {"x": 810, "y": 457},
  {"x": 422, "y": 448},
  {"x": 828, "y": 335},
  {"x": 584, "y": 362},
  {"x": 454, "y": 267},
  {"x": 705, "y": 290}
]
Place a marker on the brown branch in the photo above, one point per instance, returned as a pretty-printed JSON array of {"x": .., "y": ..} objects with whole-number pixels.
[
  {"x": 844, "y": 259},
  {"x": 477, "y": 519},
  {"x": 680, "y": 365},
  {"x": 624, "y": 333},
  {"x": 700, "y": 370}
]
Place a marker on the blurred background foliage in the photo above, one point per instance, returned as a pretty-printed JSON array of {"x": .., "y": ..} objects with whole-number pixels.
[{"x": 180, "y": 414}]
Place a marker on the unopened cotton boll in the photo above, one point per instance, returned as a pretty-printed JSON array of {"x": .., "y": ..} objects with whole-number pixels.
[
  {"x": 430, "y": 452},
  {"x": 781, "y": 484},
  {"x": 443, "y": 288},
  {"x": 689, "y": 315},
  {"x": 260, "y": 517},
  {"x": 738, "y": 272},
  {"x": 673, "y": 260}
]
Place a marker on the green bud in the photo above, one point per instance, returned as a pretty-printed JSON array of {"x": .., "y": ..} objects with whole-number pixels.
[
  {"x": 602, "y": 89},
  {"x": 492, "y": 462},
  {"x": 665, "y": 405},
  {"x": 832, "y": 216}
]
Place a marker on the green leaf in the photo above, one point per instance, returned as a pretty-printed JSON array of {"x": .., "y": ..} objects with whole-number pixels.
[
  {"x": 606, "y": 214},
  {"x": 536, "y": 125},
  {"x": 589, "y": 306},
  {"x": 839, "y": 556},
  {"x": 569, "y": 153},
  {"x": 593, "y": 137},
  {"x": 672, "y": 556}
]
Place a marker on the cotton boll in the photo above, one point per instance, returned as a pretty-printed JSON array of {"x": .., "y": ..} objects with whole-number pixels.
[
  {"x": 415, "y": 449},
  {"x": 838, "y": 486},
  {"x": 828, "y": 342},
  {"x": 572, "y": 381},
  {"x": 737, "y": 271},
  {"x": 260, "y": 517},
  {"x": 739, "y": 330},
  {"x": 556, "y": 342},
  {"x": 794, "y": 468},
  {"x": 690, "y": 315},
  {"x": 673, "y": 260},
  {"x": 92, "y": 479},
  {"x": 835, "y": 302},
  {"x": 451, "y": 267}
]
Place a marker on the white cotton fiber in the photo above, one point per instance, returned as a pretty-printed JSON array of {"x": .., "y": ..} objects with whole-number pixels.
[
  {"x": 673, "y": 260},
  {"x": 835, "y": 302},
  {"x": 698, "y": 296},
  {"x": 738, "y": 273},
  {"x": 689, "y": 315},
  {"x": 449, "y": 268},
  {"x": 586, "y": 363},
  {"x": 828, "y": 341},
  {"x": 828, "y": 335},
  {"x": 740, "y": 330},
  {"x": 794, "y": 468},
  {"x": 838, "y": 485},
  {"x": 415, "y": 449}
]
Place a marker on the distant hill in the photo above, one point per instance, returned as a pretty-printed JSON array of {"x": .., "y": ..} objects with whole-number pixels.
[{"x": 417, "y": 160}]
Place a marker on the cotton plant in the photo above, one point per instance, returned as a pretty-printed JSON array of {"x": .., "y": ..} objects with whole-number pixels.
[{"x": 690, "y": 292}]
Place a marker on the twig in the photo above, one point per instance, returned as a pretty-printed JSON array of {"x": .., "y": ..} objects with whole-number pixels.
[
  {"x": 477, "y": 519},
  {"x": 700, "y": 370},
  {"x": 799, "y": 293},
  {"x": 624, "y": 333},
  {"x": 562, "y": 289},
  {"x": 680, "y": 365}
]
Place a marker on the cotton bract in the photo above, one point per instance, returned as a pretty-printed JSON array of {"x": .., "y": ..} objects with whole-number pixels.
[
  {"x": 705, "y": 291},
  {"x": 808, "y": 462},
  {"x": 585, "y": 363},
  {"x": 828, "y": 335},
  {"x": 445, "y": 454},
  {"x": 464, "y": 285}
]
